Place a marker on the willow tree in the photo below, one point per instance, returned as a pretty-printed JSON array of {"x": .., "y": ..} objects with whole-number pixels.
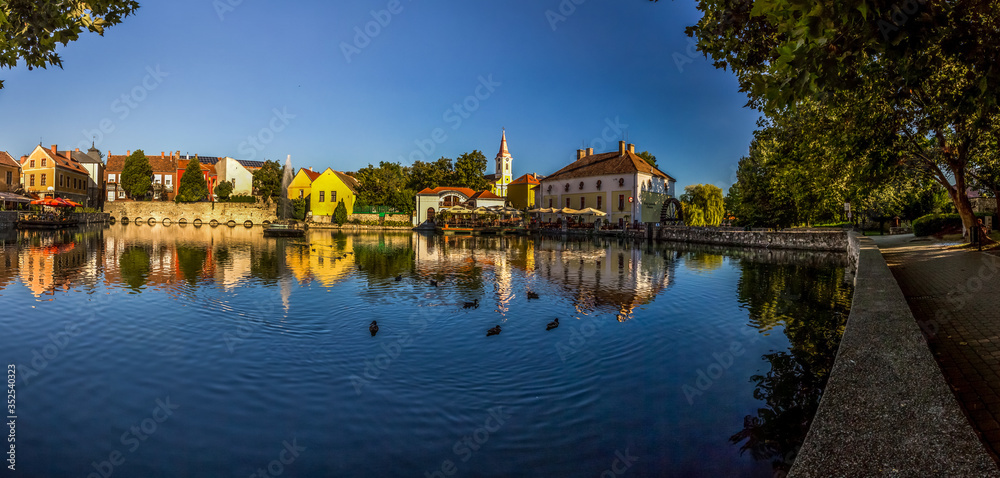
[{"x": 924, "y": 69}]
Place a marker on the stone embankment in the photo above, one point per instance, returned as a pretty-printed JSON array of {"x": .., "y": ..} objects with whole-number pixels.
[
  {"x": 887, "y": 410},
  {"x": 191, "y": 213}
]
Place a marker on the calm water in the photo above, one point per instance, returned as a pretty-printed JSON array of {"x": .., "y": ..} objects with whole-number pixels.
[{"x": 180, "y": 351}]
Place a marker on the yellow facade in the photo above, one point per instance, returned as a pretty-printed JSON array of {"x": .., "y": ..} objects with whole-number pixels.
[
  {"x": 328, "y": 190},
  {"x": 521, "y": 195},
  {"x": 301, "y": 185}
]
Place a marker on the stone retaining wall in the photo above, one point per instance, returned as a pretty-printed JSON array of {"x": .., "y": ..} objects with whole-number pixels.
[
  {"x": 206, "y": 211},
  {"x": 887, "y": 410},
  {"x": 818, "y": 240},
  {"x": 91, "y": 217},
  {"x": 8, "y": 218}
]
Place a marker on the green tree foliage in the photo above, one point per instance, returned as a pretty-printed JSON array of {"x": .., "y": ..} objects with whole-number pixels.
[
  {"x": 340, "y": 213},
  {"x": 137, "y": 175},
  {"x": 134, "y": 264},
  {"x": 924, "y": 80},
  {"x": 385, "y": 185},
  {"x": 430, "y": 175},
  {"x": 223, "y": 190},
  {"x": 299, "y": 207},
  {"x": 703, "y": 205},
  {"x": 192, "y": 187},
  {"x": 31, "y": 31},
  {"x": 649, "y": 158},
  {"x": 469, "y": 171},
  {"x": 191, "y": 260},
  {"x": 267, "y": 180}
]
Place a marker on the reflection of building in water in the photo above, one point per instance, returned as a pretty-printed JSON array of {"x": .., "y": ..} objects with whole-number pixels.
[
  {"x": 601, "y": 275},
  {"x": 322, "y": 258},
  {"x": 9, "y": 264}
]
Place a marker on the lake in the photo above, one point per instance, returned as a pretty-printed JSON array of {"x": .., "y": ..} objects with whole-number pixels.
[{"x": 154, "y": 351}]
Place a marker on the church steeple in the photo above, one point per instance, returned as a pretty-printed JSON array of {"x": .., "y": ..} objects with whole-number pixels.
[
  {"x": 503, "y": 145},
  {"x": 503, "y": 167}
]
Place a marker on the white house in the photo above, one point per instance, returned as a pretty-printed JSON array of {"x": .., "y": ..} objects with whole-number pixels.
[
  {"x": 620, "y": 183},
  {"x": 229, "y": 169}
]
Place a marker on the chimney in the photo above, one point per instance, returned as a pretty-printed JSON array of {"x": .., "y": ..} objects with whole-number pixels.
[
  {"x": 77, "y": 150},
  {"x": 54, "y": 149},
  {"x": 621, "y": 148},
  {"x": 310, "y": 168},
  {"x": 590, "y": 151},
  {"x": 128, "y": 152},
  {"x": 631, "y": 148},
  {"x": 163, "y": 154},
  {"x": 579, "y": 154}
]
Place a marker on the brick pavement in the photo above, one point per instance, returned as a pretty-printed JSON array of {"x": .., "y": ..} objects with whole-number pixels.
[{"x": 955, "y": 297}]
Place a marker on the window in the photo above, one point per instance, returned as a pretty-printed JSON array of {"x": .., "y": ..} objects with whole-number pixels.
[
  {"x": 333, "y": 196},
  {"x": 302, "y": 193},
  {"x": 567, "y": 202},
  {"x": 121, "y": 194},
  {"x": 60, "y": 180},
  {"x": 168, "y": 180},
  {"x": 322, "y": 195},
  {"x": 550, "y": 199},
  {"x": 599, "y": 202},
  {"x": 157, "y": 178},
  {"x": 111, "y": 178},
  {"x": 9, "y": 178},
  {"x": 621, "y": 202},
  {"x": 43, "y": 179},
  {"x": 31, "y": 163},
  {"x": 32, "y": 180},
  {"x": 43, "y": 162},
  {"x": 583, "y": 203}
]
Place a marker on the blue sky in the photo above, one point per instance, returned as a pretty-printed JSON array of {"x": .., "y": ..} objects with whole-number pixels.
[{"x": 263, "y": 79}]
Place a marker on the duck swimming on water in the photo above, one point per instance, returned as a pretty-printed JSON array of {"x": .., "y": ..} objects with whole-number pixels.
[
  {"x": 493, "y": 331},
  {"x": 399, "y": 278},
  {"x": 472, "y": 305},
  {"x": 553, "y": 324},
  {"x": 373, "y": 328},
  {"x": 532, "y": 295},
  {"x": 434, "y": 283}
]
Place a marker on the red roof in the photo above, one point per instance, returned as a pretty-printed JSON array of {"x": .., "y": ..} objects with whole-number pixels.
[
  {"x": 7, "y": 160},
  {"x": 312, "y": 174},
  {"x": 503, "y": 145},
  {"x": 464, "y": 191},
  {"x": 63, "y": 159},
  {"x": 526, "y": 179},
  {"x": 607, "y": 163},
  {"x": 485, "y": 195},
  {"x": 159, "y": 164}
]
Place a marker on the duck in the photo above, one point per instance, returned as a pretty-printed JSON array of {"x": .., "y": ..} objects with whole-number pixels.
[
  {"x": 472, "y": 305},
  {"x": 373, "y": 328},
  {"x": 493, "y": 331},
  {"x": 434, "y": 283},
  {"x": 553, "y": 324},
  {"x": 532, "y": 295},
  {"x": 399, "y": 278}
]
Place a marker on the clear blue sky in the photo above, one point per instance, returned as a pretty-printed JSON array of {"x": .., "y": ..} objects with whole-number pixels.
[{"x": 202, "y": 76}]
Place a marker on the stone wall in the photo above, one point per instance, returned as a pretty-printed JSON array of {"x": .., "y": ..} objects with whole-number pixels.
[
  {"x": 8, "y": 218},
  {"x": 91, "y": 217},
  {"x": 206, "y": 211},
  {"x": 364, "y": 218},
  {"x": 886, "y": 405},
  {"x": 818, "y": 240}
]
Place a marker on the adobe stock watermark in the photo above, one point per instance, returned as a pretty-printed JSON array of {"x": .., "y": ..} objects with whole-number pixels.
[
  {"x": 899, "y": 16},
  {"x": 468, "y": 445},
  {"x": 578, "y": 335},
  {"x": 392, "y": 347},
  {"x": 721, "y": 362},
  {"x": 564, "y": 10},
  {"x": 454, "y": 116},
  {"x": 49, "y": 353},
  {"x": 222, "y": 7},
  {"x": 256, "y": 143},
  {"x": 621, "y": 464},
  {"x": 124, "y": 105},
  {"x": 363, "y": 35},
  {"x": 288, "y": 454},
  {"x": 689, "y": 55},
  {"x": 245, "y": 328},
  {"x": 615, "y": 129},
  {"x": 133, "y": 438}
]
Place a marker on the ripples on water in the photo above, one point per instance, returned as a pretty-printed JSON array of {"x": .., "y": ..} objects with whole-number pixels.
[{"x": 699, "y": 362}]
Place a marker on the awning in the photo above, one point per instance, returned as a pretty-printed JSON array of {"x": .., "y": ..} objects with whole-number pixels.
[{"x": 11, "y": 197}]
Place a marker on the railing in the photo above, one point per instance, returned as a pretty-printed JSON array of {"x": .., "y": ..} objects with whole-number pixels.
[{"x": 375, "y": 210}]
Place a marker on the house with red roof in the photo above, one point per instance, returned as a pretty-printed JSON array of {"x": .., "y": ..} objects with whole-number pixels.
[
  {"x": 53, "y": 173},
  {"x": 522, "y": 191},
  {"x": 619, "y": 183},
  {"x": 10, "y": 172},
  {"x": 432, "y": 200}
]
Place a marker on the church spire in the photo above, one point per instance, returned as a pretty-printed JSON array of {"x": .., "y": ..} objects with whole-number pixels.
[{"x": 503, "y": 145}]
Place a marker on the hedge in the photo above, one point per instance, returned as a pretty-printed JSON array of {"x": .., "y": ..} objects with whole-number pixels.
[{"x": 935, "y": 223}]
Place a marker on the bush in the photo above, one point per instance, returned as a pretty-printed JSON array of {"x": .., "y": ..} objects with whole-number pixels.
[
  {"x": 242, "y": 198},
  {"x": 224, "y": 190},
  {"x": 935, "y": 223},
  {"x": 340, "y": 213}
]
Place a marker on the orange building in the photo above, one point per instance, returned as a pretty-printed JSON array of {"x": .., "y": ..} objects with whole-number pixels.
[{"x": 51, "y": 173}]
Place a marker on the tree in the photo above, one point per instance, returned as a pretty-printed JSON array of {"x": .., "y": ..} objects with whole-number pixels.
[
  {"x": 469, "y": 171},
  {"x": 223, "y": 190},
  {"x": 137, "y": 175},
  {"x": 340, "y": 213},
  {"x": 430, "y": 175},
  {"x": 30, "y": 31},
  {"x": 299, "y": 208},
  {"x": 385, "y": 186},
  {"x": 267, "y": 180},
  {"x": 703, "y": 205},
  {"x": 646, "y": 155},
  {"x": 925, "y": 75},
  {"x": 192, "y": 187}
]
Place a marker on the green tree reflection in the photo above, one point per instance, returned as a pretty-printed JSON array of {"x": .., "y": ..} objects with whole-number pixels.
[
  {"x": 191, "y": 260},
  {"x": 811, "y": 305},
  {"x": 382, "y": 261},
  {"x": 134, "y": 265}
]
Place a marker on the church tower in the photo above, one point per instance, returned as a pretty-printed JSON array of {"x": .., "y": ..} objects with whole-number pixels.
[{"x": 503, "y": 167}]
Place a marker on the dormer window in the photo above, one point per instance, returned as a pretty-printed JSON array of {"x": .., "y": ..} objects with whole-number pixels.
[
  {"x": 581, "y": 184},
  {"x": 598, "y": 184},
  {"x": 621, "y": 182},
  {"x": 566, "y": 187}
]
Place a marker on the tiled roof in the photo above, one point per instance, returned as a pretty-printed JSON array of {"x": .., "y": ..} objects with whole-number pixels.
[
  {"x": 350, "y": 181},
  {"x": 485, "y": 195},
  {"x": 606, "y": 163},
  {"x": 526, "y": 179},
  {"x": 7, "y": 160},
  {"x": 464, "y": 191},
  {"x": 311, "y": 174},
  {"x": 160, "y": 164},
  {"x": 85, "y": 158},
  {"x": 63, "y": 159}
]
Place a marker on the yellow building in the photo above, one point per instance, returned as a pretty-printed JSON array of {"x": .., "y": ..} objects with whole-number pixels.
[
  {"x": 51, "y": 173},
  {"x": 10, "y": 172},
  {"x": 301, "y": 185},
  {"x": 521, "y": 192},
  {"x": 502, "y": 177},
  {"x": 330, "y": 188}
]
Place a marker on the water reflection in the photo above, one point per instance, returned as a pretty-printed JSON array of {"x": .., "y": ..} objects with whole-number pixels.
[{"x": 655, "y": 311}]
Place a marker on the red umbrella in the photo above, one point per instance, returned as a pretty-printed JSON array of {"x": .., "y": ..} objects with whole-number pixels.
[{"x": 46, "y": 202}]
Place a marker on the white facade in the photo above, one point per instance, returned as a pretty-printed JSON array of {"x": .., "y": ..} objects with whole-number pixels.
[
  {"x": 429, "y": 204},
  {"x": 229, "y": 169}
]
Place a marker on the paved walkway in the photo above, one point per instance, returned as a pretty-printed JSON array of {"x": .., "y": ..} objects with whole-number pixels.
[{"x": 955, "y": 297}]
